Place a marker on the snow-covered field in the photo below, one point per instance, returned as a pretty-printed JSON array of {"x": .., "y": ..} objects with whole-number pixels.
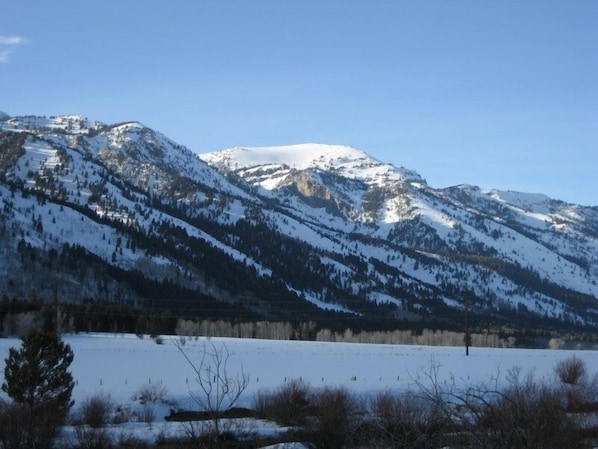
[{"x": 118, "y": 365}]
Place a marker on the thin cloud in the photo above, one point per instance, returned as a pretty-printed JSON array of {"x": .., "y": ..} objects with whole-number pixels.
[
  {"x": 12, "y": 40},
  {"x": 7, "y": 46}
]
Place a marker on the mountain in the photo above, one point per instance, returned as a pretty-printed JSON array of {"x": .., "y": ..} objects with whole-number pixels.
[{"x": 121, "y": 214}]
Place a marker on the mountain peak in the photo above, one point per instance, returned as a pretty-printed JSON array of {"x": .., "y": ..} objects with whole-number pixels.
[
  {"x": 348, "y": 161},
  {"x": 71, "y": 123},
  {"x": 299, "y": 156}
]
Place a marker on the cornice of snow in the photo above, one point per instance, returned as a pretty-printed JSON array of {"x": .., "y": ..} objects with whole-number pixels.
[{"x": 343, "y": 160}]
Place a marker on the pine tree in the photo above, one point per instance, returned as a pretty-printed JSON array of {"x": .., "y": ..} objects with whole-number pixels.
[{"x": 37, "y": 374}]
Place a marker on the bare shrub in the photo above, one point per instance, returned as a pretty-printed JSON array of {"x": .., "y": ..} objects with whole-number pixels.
[
  {"x": 91, "y": 438},
  {"x": 528, "y": 414},
  {"x": 129, "y": 441},
  {"x": 195, "y": 431},
  {"x": 152, "y": 393},
  {"x": 328, "y": 416},
  {"x": 336, "y": 415},
  {"x": 123, "y": 414},
  {"x": 96, "y": 410},
  {"x": 146, "y": 413},
  {"x": 201, "y": 434},
  {"x": 579, "y": 390},
  {"x": 571, "y": 371},
  {"x": 288, "y": 405},
  {"x": 402, "y": 421}
]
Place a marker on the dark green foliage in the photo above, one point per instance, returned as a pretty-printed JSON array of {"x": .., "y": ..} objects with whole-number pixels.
[
  {"x": 11, "y": 148},
  {"x": 36, "y": 375},
  {"x": 22, "y": 427},
  {"x": 37, "y": 379},
  {"x": 373, "y": 200}
]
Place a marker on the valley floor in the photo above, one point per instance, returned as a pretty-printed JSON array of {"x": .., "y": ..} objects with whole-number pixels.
[{"x": 118, "y": 366}]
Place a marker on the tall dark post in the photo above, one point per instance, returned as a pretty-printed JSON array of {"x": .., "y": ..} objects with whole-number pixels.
[{"x": 466, "y": 324}]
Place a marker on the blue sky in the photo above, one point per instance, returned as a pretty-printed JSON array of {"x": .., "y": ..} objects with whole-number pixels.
[{"x": 500, "y": 94}]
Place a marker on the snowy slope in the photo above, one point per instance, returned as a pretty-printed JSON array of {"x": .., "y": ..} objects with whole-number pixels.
[
  {"x": 556, "y": 241},
  {"x": 347, "y": 161},
  {"x": 298, "y": 232}
]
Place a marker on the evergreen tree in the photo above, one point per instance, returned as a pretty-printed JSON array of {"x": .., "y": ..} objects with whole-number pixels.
[{"x": 37, "y": 374}]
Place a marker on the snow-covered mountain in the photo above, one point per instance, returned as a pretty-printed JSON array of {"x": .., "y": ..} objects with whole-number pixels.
[{"x": 120, "y": 213}]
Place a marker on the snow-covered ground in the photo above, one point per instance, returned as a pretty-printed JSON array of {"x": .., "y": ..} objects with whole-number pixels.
[{"x": 118, "y": 365}]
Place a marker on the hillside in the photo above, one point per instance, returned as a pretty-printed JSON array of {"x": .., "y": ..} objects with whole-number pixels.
[{"x": 121, "y": 214}]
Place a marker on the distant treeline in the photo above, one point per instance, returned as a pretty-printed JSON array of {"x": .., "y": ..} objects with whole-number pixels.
[
  {"x": 17, "y": 318},
  {"x": 309, "y": 331}
]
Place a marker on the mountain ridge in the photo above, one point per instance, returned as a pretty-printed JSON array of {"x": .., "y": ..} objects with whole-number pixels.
[{"x": 297, "y": 232}]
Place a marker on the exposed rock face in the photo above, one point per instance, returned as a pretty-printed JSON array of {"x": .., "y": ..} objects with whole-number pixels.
[{"x": 121, "y": 213}]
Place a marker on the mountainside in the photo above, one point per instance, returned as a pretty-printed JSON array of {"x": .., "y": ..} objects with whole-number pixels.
[{"x": 121, "y": 214}]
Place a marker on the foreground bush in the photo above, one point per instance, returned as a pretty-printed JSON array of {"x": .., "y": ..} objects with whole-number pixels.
[
  {"x": 96, "y": 411},
  {"x": 327, "y": 417},
  {"x": 402, "y": 420},
  {"x": 522, "y": 413},
  {"x": 289, "y": 405},
  {"x": 337, "y": 413},
  {"x": 26, "y": 427}
]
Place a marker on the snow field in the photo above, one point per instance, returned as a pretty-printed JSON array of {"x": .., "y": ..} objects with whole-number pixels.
[{"x": 118, "y": 365}]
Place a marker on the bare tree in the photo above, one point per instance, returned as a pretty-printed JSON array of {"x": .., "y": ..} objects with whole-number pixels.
[
  {"x": 524, "y": 414},
  {"x": 218, "y": 389}
]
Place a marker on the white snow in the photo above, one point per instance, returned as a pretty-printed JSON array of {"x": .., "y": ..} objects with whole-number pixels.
[
  {"x": 299, "y": 156},
  {"x": 537, "y": 202},
  {"x": 118, "y": 365},
  {"x": 351, "y": 162}
]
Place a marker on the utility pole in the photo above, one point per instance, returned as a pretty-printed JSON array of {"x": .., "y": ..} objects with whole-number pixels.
[{"x": 466, "y": 324}]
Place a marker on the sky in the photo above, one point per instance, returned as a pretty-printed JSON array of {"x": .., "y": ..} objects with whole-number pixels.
[{"x": 495, "y": 93}]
